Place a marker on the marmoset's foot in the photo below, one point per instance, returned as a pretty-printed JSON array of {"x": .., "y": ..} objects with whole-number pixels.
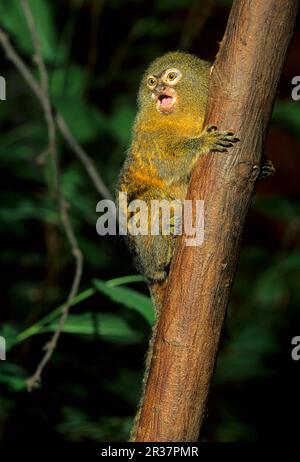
[{"x": 267, "y": 169}]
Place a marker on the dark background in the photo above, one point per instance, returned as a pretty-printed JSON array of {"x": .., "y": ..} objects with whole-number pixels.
[{"x": 95, "y": 53}]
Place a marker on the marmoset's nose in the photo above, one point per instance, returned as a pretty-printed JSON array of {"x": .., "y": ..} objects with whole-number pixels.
[{"x": 161, "y": 86}]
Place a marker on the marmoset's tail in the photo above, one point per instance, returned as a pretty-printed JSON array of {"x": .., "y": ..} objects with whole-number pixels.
[{"x": 157, "y": 291}]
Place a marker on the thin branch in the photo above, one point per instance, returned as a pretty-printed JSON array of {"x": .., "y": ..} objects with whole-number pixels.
[
  {"x": 63, "y": 206},
  {"x": 25, "y": 72},
  {"x": 83, "y": 156},
  {"x": 45, "y": 101},
  {"x": 13, "y": 56}
]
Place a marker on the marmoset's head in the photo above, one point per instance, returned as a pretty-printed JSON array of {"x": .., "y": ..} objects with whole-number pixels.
[{"x": 175, "y": 83}]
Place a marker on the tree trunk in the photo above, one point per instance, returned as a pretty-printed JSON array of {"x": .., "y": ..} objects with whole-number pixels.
[{"x": 244, "y": 81}]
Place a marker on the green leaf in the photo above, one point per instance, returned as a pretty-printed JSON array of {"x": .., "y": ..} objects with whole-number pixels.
[
  {"x": 51, "y": 317},
  {"x": 129, "y": 298},
  {"x": 125, "y": 280},
  {"x": 109, "y": 327},
  {"x": 86, "y": 127},
  {"x": 291, "y": 262},
  {"x": 287, "y": 114},
  {"x": 12, "y": 19},
  {"x": 121, "y": 122},
  {"x": 270, "y": 288},
  {"x": 29, "y": 209},
  {"x": 9, "y": 332},
  {"x": 13, "y": 376},
  {"x": 36, "y": 328},
  {"x": 67, "y": 82},
  {"x": 67, "y": 87},
  {"x": 244, "y": 358}
]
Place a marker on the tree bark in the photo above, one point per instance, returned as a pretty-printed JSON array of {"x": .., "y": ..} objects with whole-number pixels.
[{"x": 243, "y": 86}]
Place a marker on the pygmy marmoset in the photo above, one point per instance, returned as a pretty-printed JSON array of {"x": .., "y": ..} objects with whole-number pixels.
[{"x": 168, "y": 138}]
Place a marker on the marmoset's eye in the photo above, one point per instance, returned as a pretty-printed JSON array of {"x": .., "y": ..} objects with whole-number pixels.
[
  {"x": 172, "y": 76},
  {"x": 151, "y": 82}
]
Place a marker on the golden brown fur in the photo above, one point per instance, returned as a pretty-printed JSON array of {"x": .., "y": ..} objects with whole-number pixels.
[{"x": 164, "y": 150}]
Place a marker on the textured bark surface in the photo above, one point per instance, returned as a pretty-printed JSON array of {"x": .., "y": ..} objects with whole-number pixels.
[{"x": 243, "y": 87}]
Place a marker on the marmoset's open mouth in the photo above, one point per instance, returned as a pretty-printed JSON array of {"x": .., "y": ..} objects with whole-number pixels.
[{"x": 165, "y": 101}]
